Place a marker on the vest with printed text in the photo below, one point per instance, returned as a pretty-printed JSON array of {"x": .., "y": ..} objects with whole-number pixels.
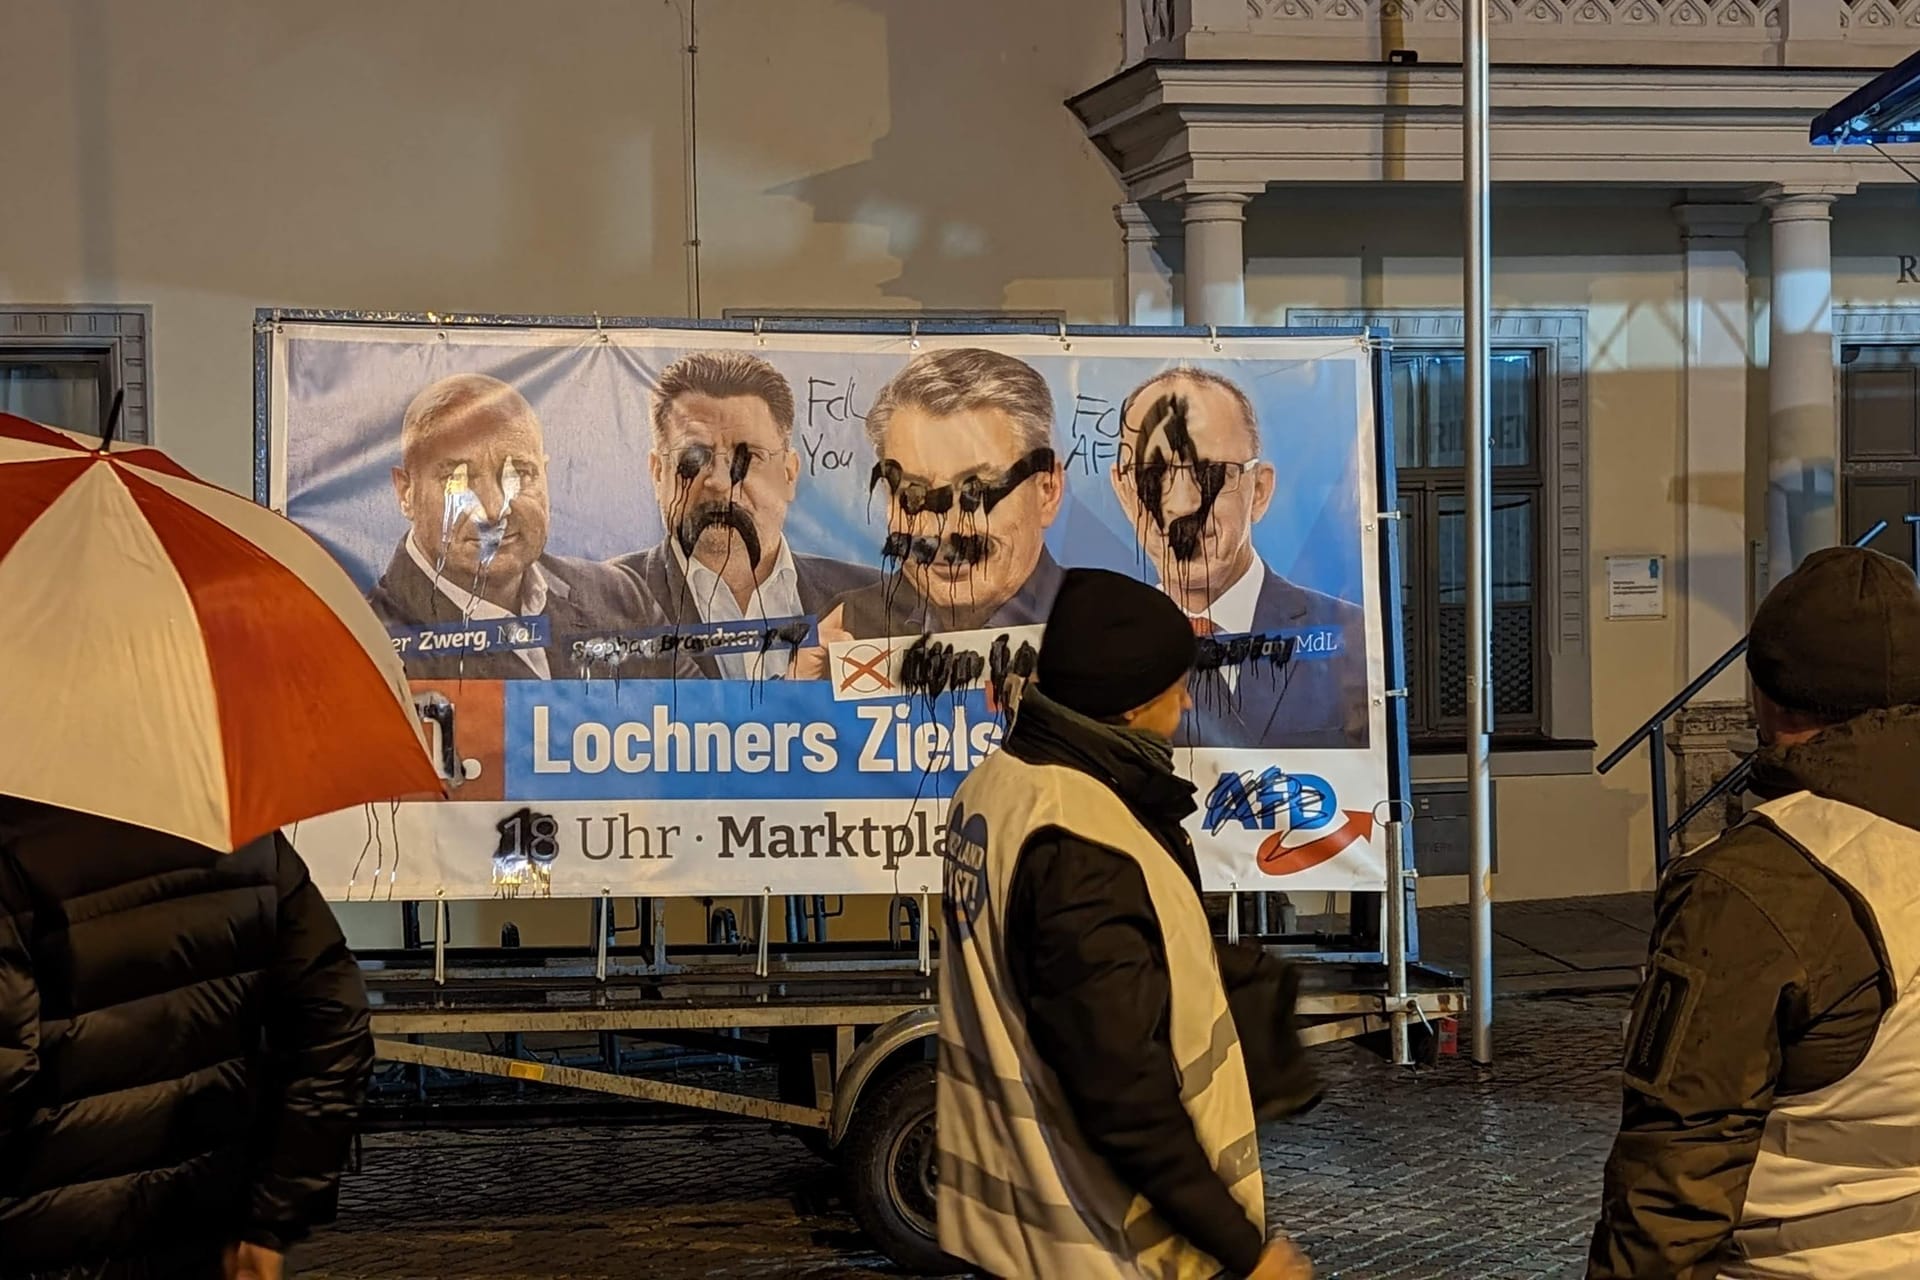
[{"x": 1020, "y": 1191}]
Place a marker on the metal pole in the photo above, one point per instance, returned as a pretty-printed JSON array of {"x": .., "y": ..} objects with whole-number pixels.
[
  {"x": 1662, "y": 838},
  {"x": 766, "y": 921},
  {"x": 440, "y": 918},
  {"x": 1397, "y": 944},
  {"x": 603, "y": 933},
  {"x": 1479, "y": 517}
]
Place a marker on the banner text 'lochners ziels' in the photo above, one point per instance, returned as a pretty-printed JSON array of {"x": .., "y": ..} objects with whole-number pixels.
[{"x": 702, "y": 740}]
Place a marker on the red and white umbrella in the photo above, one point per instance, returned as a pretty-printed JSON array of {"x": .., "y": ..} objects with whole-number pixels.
[{"x": 180, "y": 658}]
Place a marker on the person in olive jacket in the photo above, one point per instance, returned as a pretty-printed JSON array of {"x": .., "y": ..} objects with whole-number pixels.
[
  {"x": 1768, "y": 1110},
  {"x": 184, "y": 1046}
]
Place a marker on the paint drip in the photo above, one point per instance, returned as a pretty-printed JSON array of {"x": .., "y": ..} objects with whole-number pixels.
[{"x": 724, "y": 515}]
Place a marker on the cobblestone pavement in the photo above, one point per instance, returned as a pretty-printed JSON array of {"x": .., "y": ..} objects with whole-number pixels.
[{"x": 1449, "y": 1172}]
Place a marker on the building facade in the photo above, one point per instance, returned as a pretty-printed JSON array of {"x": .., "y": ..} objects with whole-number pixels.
[{"x": 1703, "y": 326}]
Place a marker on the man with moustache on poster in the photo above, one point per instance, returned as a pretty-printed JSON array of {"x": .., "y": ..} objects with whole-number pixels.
[
  {"x": 963, "y": 442},
  {"x": 724, "y": 473},
  {"x": 1193, "y": 484},
  {"x": 472, "y": 481}
]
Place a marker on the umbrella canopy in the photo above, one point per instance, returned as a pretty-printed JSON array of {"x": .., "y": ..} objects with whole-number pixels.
[{"x": 182, "y": 659}]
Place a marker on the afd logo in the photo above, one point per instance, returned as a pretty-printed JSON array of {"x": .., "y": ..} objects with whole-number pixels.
[{"x": 1300, "y": 809}]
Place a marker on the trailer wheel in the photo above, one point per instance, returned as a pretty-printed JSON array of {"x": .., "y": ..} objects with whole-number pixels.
[{"x": 890, "y": 1161}]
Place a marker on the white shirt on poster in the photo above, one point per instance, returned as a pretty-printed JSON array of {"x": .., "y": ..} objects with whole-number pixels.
[
  {"x": 533, "y": 602},
  {"x": 777, "y": 597},
  {"x": 1231, "y": 612}
]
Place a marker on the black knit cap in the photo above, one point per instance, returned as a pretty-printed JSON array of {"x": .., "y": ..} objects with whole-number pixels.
[
  {"x": 1840, "y": 635},
  {"x": 1112, "y": 643}
]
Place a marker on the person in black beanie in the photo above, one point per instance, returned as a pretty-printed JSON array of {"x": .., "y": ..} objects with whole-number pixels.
[
  {"x": 1078, "y": 954},
  {"x": 1769, "y": 1105}
]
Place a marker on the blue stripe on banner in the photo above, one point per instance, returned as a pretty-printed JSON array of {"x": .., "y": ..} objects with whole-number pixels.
[
  {"x": 478, "y": 635},
  {"x": 703, "y": 739},
  {"x": 758, "y": 635}
]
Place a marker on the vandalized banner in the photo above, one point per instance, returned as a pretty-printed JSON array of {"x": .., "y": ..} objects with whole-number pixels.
[{"x": 711, "y": 610}]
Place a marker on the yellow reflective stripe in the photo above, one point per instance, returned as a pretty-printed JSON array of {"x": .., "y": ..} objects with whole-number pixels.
[
  {"x": 1851, "y": 1144},
  {"x": 968, "y": 1181},
  {"x": 1146, "y": 1232},
  {"x": 976, "y": 1073},
  {"x": 1856, "y": 1224},
  {"x": 1197, "y": 1076}
]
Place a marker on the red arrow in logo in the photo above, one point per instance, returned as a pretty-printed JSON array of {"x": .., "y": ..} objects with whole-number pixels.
[{"x": 1278, "y": 860}]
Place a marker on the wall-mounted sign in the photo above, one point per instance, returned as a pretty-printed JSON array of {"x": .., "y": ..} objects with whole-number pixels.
[
  {"x": 1636, "y": 586},
  {"x": 1910, "y": 268}
]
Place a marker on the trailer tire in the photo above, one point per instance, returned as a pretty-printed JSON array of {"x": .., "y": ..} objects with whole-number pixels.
[{"x": 889, "y": 1157}]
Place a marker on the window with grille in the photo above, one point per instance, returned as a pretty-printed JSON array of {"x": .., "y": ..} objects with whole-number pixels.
[
  {"x": 60, "y": 388},
  {"x": 62, "y": 365},
  {"x": 1429, "y": 421}
]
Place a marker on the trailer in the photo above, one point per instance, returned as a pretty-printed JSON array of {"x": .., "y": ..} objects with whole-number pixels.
[
  {"x": 556, "y": 791},
  {"x": 847, "y": 1030}
]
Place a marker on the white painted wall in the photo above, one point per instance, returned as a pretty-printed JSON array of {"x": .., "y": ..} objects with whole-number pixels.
[{"x": 214, "y": 156}]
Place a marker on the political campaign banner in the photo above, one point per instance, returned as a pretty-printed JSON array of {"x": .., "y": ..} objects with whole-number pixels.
[{"x": 711, "y": 609}]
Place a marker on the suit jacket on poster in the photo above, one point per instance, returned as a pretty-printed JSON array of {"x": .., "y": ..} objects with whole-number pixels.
[
  {"x": 1313, "y": 701},
  {"x": 583, "y": 598},
  {"x": 891, "y": 607},
  {"x": 661, "y": 580}
]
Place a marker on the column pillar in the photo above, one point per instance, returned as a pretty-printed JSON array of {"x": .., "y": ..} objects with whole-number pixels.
[
  {"x": 1149, "y": 273},
  {"x": 1802, "y": 431},
  {"x": 1712, "y": 570},
  {"x": 1713, "y": 576},
  {"x": 1216, "y": 278}
]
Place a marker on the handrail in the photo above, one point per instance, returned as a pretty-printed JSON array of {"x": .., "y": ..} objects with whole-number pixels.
[
  {"x": 1702, "y": 680},
  {"x": 1655, "y": 729},
  {"x": 1735, "y": 779}
]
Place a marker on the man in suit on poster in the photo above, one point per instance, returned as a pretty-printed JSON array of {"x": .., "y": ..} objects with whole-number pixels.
[
  {"x": 963, "y": 442},
  {"x": 1193, "y": 484},
  {"x": 472, "y": 481},
  {"x": 725, "y": 472}
]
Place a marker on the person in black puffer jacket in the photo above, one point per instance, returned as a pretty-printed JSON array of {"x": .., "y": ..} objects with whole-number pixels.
[{"x": 184, "y": 1046}]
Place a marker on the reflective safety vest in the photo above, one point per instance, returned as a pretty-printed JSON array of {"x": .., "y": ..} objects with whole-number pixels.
[
  {"x": 1835, "y": 1190},
  {"x": 1020, "y": 1191}
]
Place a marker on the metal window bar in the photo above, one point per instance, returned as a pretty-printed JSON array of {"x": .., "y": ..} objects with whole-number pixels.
[{"x": 1654, "y": 731}]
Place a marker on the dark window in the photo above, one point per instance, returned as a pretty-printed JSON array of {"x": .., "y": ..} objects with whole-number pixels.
[
  {"x": 58, "y": 387},
  {"x": 1429, "y": 421},
  {"x": 1880, "y": 444}
]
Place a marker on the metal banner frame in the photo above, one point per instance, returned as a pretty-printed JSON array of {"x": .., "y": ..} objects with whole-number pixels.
[{"x": 1368, "y": 942}]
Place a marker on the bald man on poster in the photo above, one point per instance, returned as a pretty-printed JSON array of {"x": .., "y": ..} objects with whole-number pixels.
[
  {"x": 472, "y": 482},
  {"x": 1193, "y": 485}
]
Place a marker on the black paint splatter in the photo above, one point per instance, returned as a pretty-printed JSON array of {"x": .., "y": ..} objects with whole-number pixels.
[
  {"x": 724, "y": 515},
  {"x": 954, "y": 548},
  {"x": 1152, "y": 471},
  {"x": 975, "y": 493}
]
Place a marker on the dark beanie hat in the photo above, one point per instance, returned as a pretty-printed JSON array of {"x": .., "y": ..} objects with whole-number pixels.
[
  {"x": 1840, "y": 635},
  {"x": 1112, "y": 643}
]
